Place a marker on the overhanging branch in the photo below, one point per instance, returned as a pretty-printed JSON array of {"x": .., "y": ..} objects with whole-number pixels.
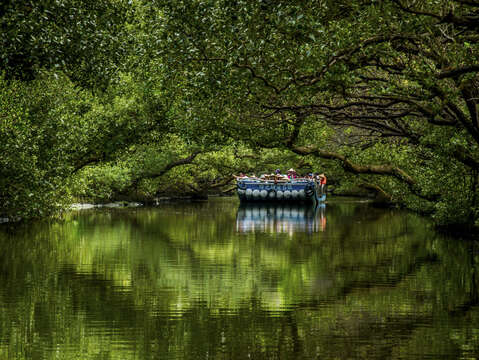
[
  {"x": 452, "y": 73},
  {"x": 184, "y": 161},
  {"x": 355, "y": 168},
  {"x": 349, "y": 166}
]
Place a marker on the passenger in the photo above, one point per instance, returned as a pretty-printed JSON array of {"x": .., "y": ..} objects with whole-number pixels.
[
  {"x": 279, "y": 176},
  {"x": 322, "y": 181},
  {"x": 240, "y": 176},
  {"x": 292, "y": 174}
]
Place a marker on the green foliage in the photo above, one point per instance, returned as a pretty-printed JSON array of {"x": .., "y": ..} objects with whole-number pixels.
[
  {"x": 52, "y": 130},
  {"x": 100, "y": 184},
  {"x": 35, "y": 147},
  {"x": 84, "y": 39}
]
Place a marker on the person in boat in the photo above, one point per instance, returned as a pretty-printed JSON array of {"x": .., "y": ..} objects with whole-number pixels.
[
  {"x": 279, "y": 176},
  {"x": 292, "y": 174},
  {"x": 322, "y": 182},
  {"x": 240, "y": 176}
]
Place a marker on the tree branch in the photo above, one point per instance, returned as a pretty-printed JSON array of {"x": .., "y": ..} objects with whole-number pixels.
[
  {"x": 381, "y": 195},
  {"x": 184, "y": 161},
  {"x": 453, "y": 73},
  {"x": 349, "y": 166},
  {"x": 415, "y": 12},
  {"x": 256, "y": 76},
  {"x": 355, "y": 168}
]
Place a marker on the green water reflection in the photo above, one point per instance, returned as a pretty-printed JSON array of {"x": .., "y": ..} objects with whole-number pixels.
[{"x": 214, "y": 280}]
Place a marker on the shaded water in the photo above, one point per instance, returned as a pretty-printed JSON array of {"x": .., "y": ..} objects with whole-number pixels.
[{"x": 216, "y": 281}]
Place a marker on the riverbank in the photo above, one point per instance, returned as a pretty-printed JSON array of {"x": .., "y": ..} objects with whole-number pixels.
[{"x": 116, "y": 204}]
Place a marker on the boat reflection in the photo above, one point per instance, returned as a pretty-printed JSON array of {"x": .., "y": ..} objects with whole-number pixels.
[{"x": 280, "y": 218}]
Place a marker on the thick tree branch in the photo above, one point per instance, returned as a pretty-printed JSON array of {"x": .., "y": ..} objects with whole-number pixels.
[
  {"x": 184, "y": 161},
  {"x": 414, "y": 11},
  {"x": 381, "y": 196},
  {"x": 349, "y": 166},
  {"x": 355, "y": 168},
  {"x": 473, "y": 3},
  {"x": 471, "y": 104},
  {"x": 256, "y": 76},
  {"x": 222, "y": 182},
  {"x": 453, "y": 73}
]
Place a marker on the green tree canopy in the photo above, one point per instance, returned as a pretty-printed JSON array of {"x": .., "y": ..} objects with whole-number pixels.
[{"x": 86, "y": 39}]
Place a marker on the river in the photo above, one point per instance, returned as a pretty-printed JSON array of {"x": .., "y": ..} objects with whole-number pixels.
[{"x": 213, "y": 280}]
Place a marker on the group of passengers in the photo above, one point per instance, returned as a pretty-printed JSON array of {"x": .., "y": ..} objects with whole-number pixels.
[{"x": 290, "y": 175}]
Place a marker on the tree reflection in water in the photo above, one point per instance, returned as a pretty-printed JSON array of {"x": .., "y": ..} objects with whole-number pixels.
[{"x": 193, "y": 281}]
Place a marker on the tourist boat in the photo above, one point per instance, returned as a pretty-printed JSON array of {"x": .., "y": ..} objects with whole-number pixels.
[{"x": 300, "y": 190}]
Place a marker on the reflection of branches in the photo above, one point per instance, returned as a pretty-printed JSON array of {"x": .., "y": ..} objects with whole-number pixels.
[
  {"x": 474, "y": 291},
  {"x": 390, "y": 282},
  {"x": 114, "y": 306}
]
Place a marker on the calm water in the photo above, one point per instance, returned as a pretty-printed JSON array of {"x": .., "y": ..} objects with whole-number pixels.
[{"x": 218, "y": 281}]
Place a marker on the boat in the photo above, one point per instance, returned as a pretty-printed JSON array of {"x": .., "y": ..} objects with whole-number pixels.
[{"x": 299, "y": 190}]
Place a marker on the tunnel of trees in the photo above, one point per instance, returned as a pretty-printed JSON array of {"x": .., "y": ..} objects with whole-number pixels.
[{"x": 113, "y": 98}]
